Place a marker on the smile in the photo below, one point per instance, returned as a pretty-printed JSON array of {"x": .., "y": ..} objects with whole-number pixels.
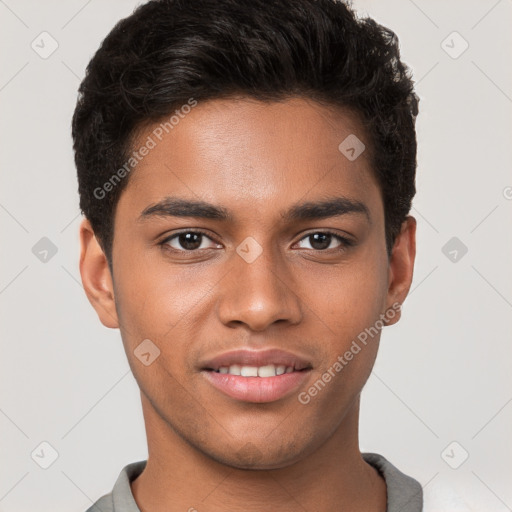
[
  {"x": 256, "y": 375},
  {"x": 269, "y": 370},
  {"x": 257, "y": 384}
]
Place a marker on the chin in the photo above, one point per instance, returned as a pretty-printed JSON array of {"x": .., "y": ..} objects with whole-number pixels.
[{"x": 252, "y": 456}]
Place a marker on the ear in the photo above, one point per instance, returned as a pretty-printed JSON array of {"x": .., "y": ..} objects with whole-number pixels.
[
  {"x": 401, "y": 267},
  {"x": 96, "y": 277}
]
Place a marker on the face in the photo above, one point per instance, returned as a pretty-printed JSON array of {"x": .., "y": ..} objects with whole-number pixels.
[{"x": 246, "y": 229}]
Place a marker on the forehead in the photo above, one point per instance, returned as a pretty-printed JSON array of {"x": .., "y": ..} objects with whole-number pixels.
[{"x": 251, "y": 156}]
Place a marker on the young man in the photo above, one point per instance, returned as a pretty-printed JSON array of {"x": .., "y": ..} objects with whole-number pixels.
[{"x": 246, "y": 170}]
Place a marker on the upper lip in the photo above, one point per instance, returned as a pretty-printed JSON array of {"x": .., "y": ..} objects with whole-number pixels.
[{"x": 245, "y": 357}]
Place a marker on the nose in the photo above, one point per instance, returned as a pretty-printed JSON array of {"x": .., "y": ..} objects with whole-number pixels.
[{"x": 258, "y": 293}]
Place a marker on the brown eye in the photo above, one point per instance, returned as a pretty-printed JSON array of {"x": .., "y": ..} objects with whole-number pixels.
[
  {"x": 189, "y": 241},
  {"x": 322, "y": 240}
]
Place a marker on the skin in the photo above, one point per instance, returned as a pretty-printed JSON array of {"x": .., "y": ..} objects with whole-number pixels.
[{"x": 206, "y": 450}]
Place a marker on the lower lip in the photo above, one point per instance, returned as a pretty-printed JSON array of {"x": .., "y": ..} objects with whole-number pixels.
[{"x": 256, "y": 389}]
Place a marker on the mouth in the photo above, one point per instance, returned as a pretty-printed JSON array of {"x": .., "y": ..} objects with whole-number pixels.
[
  {"x": 256, "y": 376},
  {"x": 269, "y": 370}
]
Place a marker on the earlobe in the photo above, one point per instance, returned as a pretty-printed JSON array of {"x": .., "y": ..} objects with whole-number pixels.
[
  {"x": 96, "y": 277},
  {"x": 401, "y": 267}
]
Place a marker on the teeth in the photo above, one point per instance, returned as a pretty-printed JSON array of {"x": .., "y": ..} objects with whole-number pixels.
[
  {"x": 267, "y": 371},
  {"x": 280, "y": 369},
  {"x": 270, "y": 370},
  {"x": 234, "y": 369},
  {"x": 249, "y": 371}
]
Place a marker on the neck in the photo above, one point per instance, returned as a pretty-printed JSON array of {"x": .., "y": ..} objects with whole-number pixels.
[{"x": 179, "y": 477}]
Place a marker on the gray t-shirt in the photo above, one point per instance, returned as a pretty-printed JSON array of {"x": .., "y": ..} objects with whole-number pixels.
[{"x": 405, "y": 494}]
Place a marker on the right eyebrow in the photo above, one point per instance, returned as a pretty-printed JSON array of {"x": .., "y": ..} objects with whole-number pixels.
[{"x": 177, "y": 207}]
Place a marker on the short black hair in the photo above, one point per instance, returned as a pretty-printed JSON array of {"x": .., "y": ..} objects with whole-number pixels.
[{"x": 169, "y": 51}]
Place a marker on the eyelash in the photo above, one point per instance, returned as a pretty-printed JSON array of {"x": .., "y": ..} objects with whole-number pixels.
[{"x": 345, "y": 242}]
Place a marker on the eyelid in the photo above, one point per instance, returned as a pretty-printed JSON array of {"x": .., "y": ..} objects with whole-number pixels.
[
  {"x": 343, "y": 240},
  {"x": 190, "y": 230}
]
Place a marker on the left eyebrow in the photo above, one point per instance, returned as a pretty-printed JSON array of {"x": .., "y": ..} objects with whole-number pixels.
[
  {"x": 333, "y": 207},
  {"x": 179, "y": 207}
]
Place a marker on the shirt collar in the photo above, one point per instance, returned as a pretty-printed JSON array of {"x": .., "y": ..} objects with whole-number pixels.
[{"x": 404, "y": 493}]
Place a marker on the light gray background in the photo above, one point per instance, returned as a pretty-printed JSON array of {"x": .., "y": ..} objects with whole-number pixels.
[{"x": 442, "y": 374}]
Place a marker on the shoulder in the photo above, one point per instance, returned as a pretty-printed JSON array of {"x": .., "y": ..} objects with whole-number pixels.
[
  {"x": 121, "y": 499},
  {"x": 405, "y": 494},
  {"x": 105, "y": 504},
  {"x": 408, "y": 495}
]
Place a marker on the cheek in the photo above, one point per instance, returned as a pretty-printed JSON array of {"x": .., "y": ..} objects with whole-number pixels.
[
  {"x": 347, "y": 298},
  {"x": 164, "y": 304},
  {"x": 348, "y": 305},
  {"x": 347, "y": 312},
  {"x": 159, "y": 300},
  {"x": 160, "y": 307}
]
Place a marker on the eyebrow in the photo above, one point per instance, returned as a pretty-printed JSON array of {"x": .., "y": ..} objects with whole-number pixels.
[{"x": 311, "y": 210}]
